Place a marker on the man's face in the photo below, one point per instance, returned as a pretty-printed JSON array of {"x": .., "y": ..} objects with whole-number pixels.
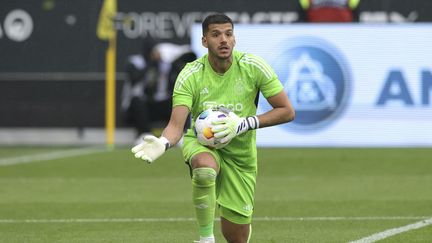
[{"x": 219, "y": 40}]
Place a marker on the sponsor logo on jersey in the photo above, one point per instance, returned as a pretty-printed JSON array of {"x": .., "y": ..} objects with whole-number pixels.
[{"x": 214, "y": 104}]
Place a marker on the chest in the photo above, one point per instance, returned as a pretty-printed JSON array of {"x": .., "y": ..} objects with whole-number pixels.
[{"x": 235, "y": 90}]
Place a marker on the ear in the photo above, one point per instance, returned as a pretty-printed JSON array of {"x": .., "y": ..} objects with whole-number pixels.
[{"x": 204, "y": 41}]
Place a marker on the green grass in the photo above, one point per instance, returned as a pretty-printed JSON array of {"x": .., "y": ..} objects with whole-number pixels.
[{"x": 292, "y": 183}]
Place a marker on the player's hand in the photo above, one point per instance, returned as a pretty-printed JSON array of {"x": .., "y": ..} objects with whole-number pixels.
[
  {"x": 151, "y": 148},
  {"x": 226, "y": 128}
]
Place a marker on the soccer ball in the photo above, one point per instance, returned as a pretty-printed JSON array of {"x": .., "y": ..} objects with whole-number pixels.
[{"x": 203, "y": 126}]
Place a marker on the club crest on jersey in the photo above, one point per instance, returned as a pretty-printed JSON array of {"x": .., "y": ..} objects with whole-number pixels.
[{"x": 239, "y": 87}]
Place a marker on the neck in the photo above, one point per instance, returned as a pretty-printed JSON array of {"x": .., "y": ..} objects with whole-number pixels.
[{"x": 219, "y": 65}]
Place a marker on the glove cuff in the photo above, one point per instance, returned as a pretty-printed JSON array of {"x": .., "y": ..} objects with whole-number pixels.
[
  {"x": 165, "y": 141},
  {"x": 253, "y": 122}
]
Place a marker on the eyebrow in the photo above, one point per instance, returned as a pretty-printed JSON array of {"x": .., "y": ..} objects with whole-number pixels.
[{"x": 219, "y": 31}]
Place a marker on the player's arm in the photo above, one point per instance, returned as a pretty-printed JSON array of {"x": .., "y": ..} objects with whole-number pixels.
[
  {"x": 282, "y": 111},
  {"x": 227, "y": 128},
  {"x": 174, "y": 130},
  {"x": 152, "y": 147}
]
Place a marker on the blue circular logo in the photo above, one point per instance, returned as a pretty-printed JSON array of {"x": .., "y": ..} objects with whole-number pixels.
[{"x": 316, "y": 78}]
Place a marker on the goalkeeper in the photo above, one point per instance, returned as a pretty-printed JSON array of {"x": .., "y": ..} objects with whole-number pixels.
[{"x": 222, "y": 177}]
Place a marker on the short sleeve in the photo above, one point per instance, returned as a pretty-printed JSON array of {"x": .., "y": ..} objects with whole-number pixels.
[
  {"x": 184, "y": 85},
  {"x": 267, "y": 80}
]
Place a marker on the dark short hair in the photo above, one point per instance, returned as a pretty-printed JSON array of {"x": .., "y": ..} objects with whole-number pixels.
[{"x": 216, "y": 18}]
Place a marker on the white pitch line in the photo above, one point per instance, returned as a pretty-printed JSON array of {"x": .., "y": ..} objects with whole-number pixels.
[
  {"x": 394, "y": 231},
  {"x": 340, "y": 218},
  {"x": 129, "y": 220},
  {"x": 49, "y": 156},
  {"x": 101, "y": 220}
]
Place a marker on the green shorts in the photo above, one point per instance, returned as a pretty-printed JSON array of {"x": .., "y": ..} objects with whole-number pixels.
[{"x": 234, "y": 188}]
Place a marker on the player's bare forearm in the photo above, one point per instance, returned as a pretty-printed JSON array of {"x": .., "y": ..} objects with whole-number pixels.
[
  {"x": 282, "y": 111},
  {"x": 174, "y": 130},
  {"x": 276, "y": 116}
]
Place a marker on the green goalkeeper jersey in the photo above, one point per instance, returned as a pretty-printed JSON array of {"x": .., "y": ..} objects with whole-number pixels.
[{"x": 199, "y": 87}]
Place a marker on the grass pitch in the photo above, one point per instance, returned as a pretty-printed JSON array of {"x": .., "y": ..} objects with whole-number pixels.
[{"x": 303, "y": 195}]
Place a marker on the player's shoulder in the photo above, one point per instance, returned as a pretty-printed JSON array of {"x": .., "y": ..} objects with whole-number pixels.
[
  {"x": 249, "y": 58},
  {"x": 254, "y": 62},
  {"x": 191, "y": 68},
  {"x": 196, "y": 64}
]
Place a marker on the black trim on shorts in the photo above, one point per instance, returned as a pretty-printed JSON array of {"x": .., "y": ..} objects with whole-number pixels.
[{"x": 190, "y": 168}]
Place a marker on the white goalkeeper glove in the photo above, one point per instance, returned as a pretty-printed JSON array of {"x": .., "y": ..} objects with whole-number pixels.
[
  {"x": 151, "y": 148},
  {"x": 226, "y": 128}
]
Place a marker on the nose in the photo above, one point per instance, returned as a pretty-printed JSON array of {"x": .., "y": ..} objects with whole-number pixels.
[{"x": 223, "y": 38}]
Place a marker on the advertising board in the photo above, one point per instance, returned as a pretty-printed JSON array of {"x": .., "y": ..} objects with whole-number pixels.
[{"x": 351, "y": 85}]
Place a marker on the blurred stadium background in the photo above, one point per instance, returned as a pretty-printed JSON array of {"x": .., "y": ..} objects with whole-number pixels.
[{"x": 360, "y": 166}]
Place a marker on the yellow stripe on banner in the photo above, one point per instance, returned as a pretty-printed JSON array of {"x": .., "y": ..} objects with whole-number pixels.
[{"x": 110, "y": 92}]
